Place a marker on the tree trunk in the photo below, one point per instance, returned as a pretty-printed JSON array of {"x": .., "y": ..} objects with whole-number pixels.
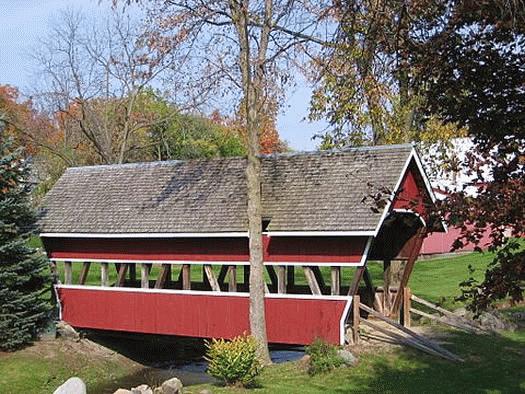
[{"x": 252, "y": 88}]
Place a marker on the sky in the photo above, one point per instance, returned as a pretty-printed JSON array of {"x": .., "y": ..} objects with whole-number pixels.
[{"x": 22, "y": 22}]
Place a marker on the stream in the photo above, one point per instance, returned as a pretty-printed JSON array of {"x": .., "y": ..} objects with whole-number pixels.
[{"x": 167, "y": 357}]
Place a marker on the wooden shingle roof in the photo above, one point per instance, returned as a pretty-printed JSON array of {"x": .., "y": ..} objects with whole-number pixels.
[{"x": 320, "y": 191}]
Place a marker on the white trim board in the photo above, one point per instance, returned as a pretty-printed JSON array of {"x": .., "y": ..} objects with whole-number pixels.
[
  {"x": 182, "y": 262},
  {"x": 364, "y": 233},
  {"x": 206, "y": 293},
  {"x": 146, "y": 235}
]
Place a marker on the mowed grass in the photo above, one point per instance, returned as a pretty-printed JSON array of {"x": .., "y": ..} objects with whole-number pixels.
[{"x": 493, "y": 364}]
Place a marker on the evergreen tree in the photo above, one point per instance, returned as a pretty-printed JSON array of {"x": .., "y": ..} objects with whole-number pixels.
[{"x": 23, "y": 270}]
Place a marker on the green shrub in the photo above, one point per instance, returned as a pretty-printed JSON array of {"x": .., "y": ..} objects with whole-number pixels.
[
  {"x": 233, "y": 362},
  {"x": 323, "y": 357}
]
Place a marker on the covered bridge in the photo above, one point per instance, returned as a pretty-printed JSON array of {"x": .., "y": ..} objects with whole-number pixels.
[{"x": 162, "y": 247}]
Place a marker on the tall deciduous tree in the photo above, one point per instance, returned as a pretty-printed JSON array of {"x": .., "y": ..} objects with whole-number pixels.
[
  {"x": 471, "y": 69},
  {"x": 23, "y": 270},
  {"x": 246, "y": 47}
]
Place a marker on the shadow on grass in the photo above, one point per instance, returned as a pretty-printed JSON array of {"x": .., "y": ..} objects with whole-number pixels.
[{"x": 493, "y": 364}]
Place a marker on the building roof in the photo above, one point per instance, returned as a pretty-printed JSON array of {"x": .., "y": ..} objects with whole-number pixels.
[{"x": 322, "y": 191}]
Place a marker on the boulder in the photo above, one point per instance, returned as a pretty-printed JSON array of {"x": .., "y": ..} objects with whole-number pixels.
[
  {"x": 495, "y": 321},
  {"x": 72, "y": 386},
  {"x": 205, "y": 391},
  {"x": 347, "y": 357},
  {"x": 142, "y": 389},
  {"x": 172, "y": 386},
  {"x": 122, "y": 391},
  {"x": 64, "y": 330}
]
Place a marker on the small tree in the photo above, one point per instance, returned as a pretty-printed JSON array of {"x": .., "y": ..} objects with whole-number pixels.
[{"x": 23, "y": 270}]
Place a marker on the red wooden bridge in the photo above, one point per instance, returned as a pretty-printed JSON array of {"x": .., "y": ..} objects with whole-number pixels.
[{"x": 320, "y": 217}]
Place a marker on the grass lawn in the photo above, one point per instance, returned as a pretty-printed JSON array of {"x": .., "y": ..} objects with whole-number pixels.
[
  {"x": 43, "y": 367},
  {"x": 493, "y": 365}
]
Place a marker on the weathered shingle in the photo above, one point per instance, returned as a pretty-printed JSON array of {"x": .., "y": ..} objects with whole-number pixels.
[{"x": 301, "y": 192}]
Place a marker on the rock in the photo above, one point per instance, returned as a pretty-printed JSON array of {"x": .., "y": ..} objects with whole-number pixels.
[
  {"x": 122, "y": 391},
  {"x": 142, "y": 389},
  {"x": 347, "y": 356},
  {"x": 72, "y": 386},
  {"x": 205, "y": 391},
  {"x": 172, "y": 386},
  {"x": 64, "y": 330},
  {"x": 495, "y": 321}
]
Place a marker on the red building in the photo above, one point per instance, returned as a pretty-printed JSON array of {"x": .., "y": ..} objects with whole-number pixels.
[{"x": 142, "y": 227}]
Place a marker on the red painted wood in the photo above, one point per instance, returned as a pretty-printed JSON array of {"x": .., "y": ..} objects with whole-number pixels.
[
  {"x": 412, "y": 193},
  {"x": 314, "y": 249},
  {"x": 288, "y": 320},
  {"x": 276, "y": 249}
]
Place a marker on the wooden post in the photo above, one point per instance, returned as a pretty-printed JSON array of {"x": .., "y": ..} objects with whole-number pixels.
[
  {"x": 335, "y": 280},
  {"x": 290, "y": 278},
  {"x": 205, "y": 280},
  {"x": 246, "y": 276},
  {"x": 272, "y": 275},
  {"x": 354, "y": 286},
  {"x": 281, "y": 279},
  {"x": 318, "y": 276},
  {"x": 312, "y": 280},
  {"x": 104, "y": 274},
  {"x": 132, "y": 272},
  {"x": 163, "y": 276},
  {"x": 54, "y": 281},
  {"x": 68, "y": 272},
  {"x": 356, "y": 319},
  {"x": 420, "y": 236},
  {"x": 208, "y": 270},
  {"x": 222, "y": 275},
  {"x": 386, "y": 287},
  {"x": 123, "y": 269},
  {"x": 84, "y": 273},
  {"x": 144, "y": 275},
  {"x": 407, "y": 305},
  {"x": 232, "y": 278},
  {"x": 186, "y": 277}
]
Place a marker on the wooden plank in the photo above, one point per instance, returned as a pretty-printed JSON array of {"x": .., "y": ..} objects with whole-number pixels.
[
  {"x": 68, "y": 272},
  {"x": 355, "y": 319},
  {"x": 335, "y": 280},
  {"x": 281, "y": 279},
  {"x": 84, "y": 273},
  {"x": 318, "y": 276},
  {"x": 164, "y": 275},
  {"x": 290, "y": 277},
  {"x": 222, "y": 275},
  {"x": 144, "y": 275},
  {"x": 386, "y": 287},
  {"x": 272, "y": 275},
  {"x": 104, "y": 274},
  {"x": 232, "y": 278},
  {"x": 420, "y": 236},
  {"x": 123, "y": 269},
  {"x": 246, "y": 276},
  {"x": 450, "y": 323},
  {"x": 186, "y": 277},
  {"x": 312, "y": 281},
  {"x": 405, "y": 315},
  {"x": 212, "y": 280},
  {"x": 425, "y": 341},
  {"x": 410, "y": 342},
  {"x": 354, "y": 286}
]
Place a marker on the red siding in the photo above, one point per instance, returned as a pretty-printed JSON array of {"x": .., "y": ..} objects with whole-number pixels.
[
  {"x": 288, "y": 320},
  {"x": 276, "y": 249},
  {"x": 412, "y": 193}
]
